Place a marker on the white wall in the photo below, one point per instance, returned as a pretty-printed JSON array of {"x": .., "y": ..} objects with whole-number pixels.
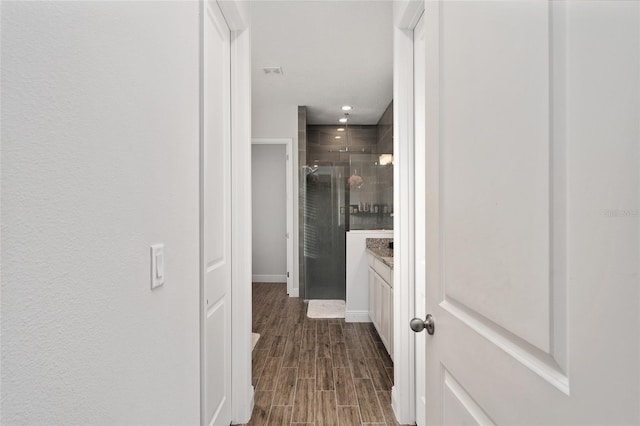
[
  {"x": 269, "y": 215},
  {"x": 275, "y": 120},
  {"x": 99, "y": 161}
]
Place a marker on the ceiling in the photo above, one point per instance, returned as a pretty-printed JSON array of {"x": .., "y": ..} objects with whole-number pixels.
[{"x": 332, "y": 53}]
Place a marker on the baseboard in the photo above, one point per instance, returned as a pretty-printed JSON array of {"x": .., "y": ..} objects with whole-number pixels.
[
  {"x": 357, "y": 316},
  {"x": 269, "y": 278},
  {"x": 251, "y": 403},
  {"x": 394, "y": 401},
  {"x": 295, "y": 293}
]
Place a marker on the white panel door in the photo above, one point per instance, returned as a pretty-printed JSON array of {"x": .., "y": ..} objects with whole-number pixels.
[
  {"x": 216, "y": 217},
  {"x": 531, "y": 143}
]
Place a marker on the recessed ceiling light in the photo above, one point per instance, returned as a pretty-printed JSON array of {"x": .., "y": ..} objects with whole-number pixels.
[
  {"x": 346, "y": 108},
  {"x": 338, "y": 137},
  {"x": 341, "y": 129},
  {"x": 343, "y": 120}
]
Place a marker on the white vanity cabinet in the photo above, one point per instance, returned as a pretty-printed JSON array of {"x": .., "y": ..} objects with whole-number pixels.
[{"x": 381, "y": 300}]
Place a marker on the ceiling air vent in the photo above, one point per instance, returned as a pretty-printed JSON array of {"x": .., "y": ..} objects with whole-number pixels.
[{"x": 272, "y": 70}]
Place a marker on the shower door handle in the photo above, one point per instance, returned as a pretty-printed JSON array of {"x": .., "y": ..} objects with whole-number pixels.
[{"x": 418, "y": 324}]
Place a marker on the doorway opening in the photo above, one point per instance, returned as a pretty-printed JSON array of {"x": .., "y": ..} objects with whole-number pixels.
[{"x": 273, "y": 212}]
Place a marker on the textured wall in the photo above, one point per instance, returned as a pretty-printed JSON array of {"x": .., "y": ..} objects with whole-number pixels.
[
  {"x": 269, "y": 199},
  {"x": 99, "y": 161}
]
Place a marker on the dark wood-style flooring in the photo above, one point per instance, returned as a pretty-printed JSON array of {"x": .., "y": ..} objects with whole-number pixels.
[{"x": 316, "y": 371}]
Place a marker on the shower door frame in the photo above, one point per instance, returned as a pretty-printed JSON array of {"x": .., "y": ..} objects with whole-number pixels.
[{"x": 291, "y": 208}]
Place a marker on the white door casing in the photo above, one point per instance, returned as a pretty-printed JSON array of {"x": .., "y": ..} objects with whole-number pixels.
[
  {"x": 215, "y": 217},
  {"x": 406, "y": 15},
  {"x": 419, "y": 175},
  {"x": 236, "y": 14},
  {"x": 531, "y": 144}
]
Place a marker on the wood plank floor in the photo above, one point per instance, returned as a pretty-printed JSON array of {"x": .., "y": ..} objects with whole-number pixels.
[{"x": 316, "y": 372}]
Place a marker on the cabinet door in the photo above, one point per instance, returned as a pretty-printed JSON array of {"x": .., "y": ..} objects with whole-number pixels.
[
  {"x": 378, "y": 307},
  {"x": 390, "y": 339},
  {"x": 372, "y": 295},
  {"x": 385, "y": 314}
]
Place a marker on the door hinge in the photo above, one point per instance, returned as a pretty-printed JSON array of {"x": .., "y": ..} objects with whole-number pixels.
[{"x": 287, "y": 275}]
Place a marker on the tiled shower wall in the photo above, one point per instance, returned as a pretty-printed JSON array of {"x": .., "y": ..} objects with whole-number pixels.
[
  {"x": 358, "y": 148},
  {"x": 385, "y": 146}
]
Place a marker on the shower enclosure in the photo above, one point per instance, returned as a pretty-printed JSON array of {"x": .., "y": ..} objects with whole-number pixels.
[
  {"x": 340, "y": 197},
  {"x": 346, "y": 184}
]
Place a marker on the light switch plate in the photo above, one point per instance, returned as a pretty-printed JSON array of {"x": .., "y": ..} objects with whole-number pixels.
[{"x": 157, "y": 265}]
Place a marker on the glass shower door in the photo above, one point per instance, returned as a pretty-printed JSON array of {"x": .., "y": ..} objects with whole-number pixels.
[{"x": 325, "y": 214}]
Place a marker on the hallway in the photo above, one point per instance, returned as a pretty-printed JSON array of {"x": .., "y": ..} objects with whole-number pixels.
[
  {"x": 322, "y": 372},
  {"x": 126, "y": 246}
]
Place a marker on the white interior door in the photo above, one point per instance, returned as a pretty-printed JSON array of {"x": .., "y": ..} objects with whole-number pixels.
[
  {"x": 216, "y": 218},
  {"x": 420, "y": 206},
  {"x": 531, "y": 144}
]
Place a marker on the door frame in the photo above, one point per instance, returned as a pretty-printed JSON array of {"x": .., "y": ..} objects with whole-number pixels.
[
  {"x": 237, "y": 16},
  {"x": 291, "y": 207},
  {"x": 406, "y": 14},
  {"x": 420, "y": 220}
]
